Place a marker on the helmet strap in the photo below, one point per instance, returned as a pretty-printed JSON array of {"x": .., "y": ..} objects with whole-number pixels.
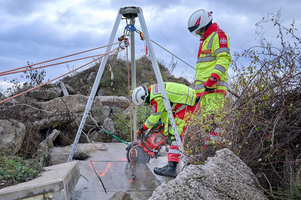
[{"x": 203, "y": 29}]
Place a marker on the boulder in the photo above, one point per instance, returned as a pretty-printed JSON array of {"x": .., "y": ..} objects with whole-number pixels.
[
  {"x": 111, "y": 101},
  {"x": 12, "y": 134},
  {"x": 72, "y": 103},
  {"x": 70, "y": 89},
  {"x": 223, "y": 177},
  {"x": 46, "y": 93}
]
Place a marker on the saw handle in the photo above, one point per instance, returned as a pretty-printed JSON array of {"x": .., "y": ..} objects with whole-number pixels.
[{"x": 141, "y": 138}]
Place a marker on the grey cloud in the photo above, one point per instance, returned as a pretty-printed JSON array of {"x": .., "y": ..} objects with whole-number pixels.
[{"x": 21, "y": 7}]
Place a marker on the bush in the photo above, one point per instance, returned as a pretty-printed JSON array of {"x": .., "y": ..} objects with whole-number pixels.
[
  {"x": 122, "y": 122},
  {"x": 16, "y": 170},
  {"x": 264, "y": 124}
]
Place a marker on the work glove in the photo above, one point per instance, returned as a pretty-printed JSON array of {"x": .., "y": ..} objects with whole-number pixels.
[
  {"x": 210, "y": 85},
  {"x": 140, "y": 131}
]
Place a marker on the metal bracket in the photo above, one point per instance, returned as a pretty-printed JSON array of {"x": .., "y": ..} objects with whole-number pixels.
[
  {"x": 130, "y": 27},
  {"x": 129, "y": 12}
]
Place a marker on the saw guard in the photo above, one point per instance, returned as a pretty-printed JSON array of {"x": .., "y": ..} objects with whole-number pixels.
[{"x": 139, "y": 155}]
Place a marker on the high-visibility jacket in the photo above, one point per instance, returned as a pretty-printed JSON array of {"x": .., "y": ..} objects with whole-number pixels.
[
  {"x": 177, "y": 94},
  {"x": 213, "y": 59}
]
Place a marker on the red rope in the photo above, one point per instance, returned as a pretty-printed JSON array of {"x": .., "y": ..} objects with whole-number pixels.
[
  {"x": 55, "y": 78},
  {"x": 56, "y": 59},
  {"x": 24, "y": 70}
]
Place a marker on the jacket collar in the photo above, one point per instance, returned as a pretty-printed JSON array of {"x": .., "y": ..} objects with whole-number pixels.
[{"x": 210, "y": 30}]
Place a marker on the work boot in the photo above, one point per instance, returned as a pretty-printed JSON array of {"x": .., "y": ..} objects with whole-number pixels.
[{"x": 169, "y": 170}]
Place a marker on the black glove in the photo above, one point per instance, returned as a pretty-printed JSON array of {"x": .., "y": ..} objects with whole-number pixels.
[
  {"x": 210, "y": 85},
  {"x": 140, "y": 131}
]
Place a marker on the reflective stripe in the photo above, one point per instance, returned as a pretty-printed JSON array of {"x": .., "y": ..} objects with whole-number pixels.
[
  {"x": 206, "y": 59},
  {"x": 149, "y": 123},
  {"x": 192, "y": 98},
  {"x": 187, "y": 95},
  {"x": 211, "y": 40},
  {"x": 223, "y": 49},
  {"x": 174, "y": 151},
  {"x": 220, "y": 68},
  {"x": 176, "y": 93},
  {"x": 219, "y": 83},
  {"x": 159, "y": 113},
  {"x": 181, "y": 108}
]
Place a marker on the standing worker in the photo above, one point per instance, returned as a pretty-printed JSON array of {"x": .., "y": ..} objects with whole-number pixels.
[
  {"x": 212, "y": 66},
  {"x": 183, "y": 102}
]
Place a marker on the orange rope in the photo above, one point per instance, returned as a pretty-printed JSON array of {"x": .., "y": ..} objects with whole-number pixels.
[
  {"x": 57, "y": 58},
  {"x": 24, "y": 70},
  {"x": 131, "y": 128},
  {"x": 55, "y": 78}
]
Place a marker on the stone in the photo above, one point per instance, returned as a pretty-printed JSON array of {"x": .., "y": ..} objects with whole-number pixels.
[
  {"x": 223, "y": 177},
  {"x": 45, "y": 94},
  {"x": 106, "y": 111},
  {"x": 111, "y": 101},
  {"x": 12, "y": 133},
  {"x": 70, "y": 89},
  {"x": 109, "y": 126}
]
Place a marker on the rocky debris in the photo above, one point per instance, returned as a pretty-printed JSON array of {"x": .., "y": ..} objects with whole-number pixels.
[
  {"x": 114, "y": 101},
  {"x": 48, "y": 142},
  {"x": 49, "y": 92},
  {"x": 223, "y": 177},
  {"x": 75, "y": 106},
  {"x": 45, "y": 93},
  {"x": 12, "y": 134},
  {"x": 53, "y": 121}
]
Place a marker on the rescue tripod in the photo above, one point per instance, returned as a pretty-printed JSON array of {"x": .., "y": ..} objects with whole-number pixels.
[{"x": 130, "y": 13}]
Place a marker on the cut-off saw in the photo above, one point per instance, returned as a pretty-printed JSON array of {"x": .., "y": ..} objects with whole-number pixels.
[{"x": 148, "y": 145}]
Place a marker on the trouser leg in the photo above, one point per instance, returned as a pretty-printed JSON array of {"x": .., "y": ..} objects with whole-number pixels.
[{"x": 212, "y": 105}]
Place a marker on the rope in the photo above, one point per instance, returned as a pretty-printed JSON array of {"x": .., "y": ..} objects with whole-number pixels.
[
  {"x": 55, "y": 78},
  {"x": 131, "y": 128},
  {"x": 98, "y": 128},
  {"x": 57, "y": 58},
  {"x": 173, "y": 55},
  {"x": 24, "y": 70}
]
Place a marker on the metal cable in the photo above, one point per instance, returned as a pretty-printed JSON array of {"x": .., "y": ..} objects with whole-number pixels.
[{"x": 173, "y": 55}]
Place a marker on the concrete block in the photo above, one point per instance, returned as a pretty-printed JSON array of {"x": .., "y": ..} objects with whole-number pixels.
[{"x": 56, "y": 182}]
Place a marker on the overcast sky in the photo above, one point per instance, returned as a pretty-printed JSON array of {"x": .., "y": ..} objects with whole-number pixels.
[{"x": 35, "y": 31}]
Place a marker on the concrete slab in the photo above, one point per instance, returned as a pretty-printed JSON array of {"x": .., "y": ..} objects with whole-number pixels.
[
  {"x": 115, "y": 172},
  {"x": 57, "y": 182},
  {"x": 115, "y": 176}
]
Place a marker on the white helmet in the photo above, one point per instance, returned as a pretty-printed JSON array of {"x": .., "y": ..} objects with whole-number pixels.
[
  {"x": 139, "y": 95},
  {"x": 198, "y": 20}
]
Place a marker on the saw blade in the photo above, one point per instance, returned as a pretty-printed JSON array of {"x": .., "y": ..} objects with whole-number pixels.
[{"x": 138, "y": 154}]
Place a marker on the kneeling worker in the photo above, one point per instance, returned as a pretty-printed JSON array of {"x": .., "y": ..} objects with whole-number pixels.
[{"x": 183, "y": 102}]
